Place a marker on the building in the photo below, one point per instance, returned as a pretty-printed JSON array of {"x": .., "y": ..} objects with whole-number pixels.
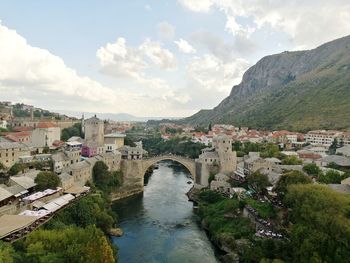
[
  {"x": 322, "y": 137},
  {"x": 113, "y": 141},
  {"x": 3, "y": 124},
  {"x": 63, "y": 159},
  {"x": 81, "y": 172},
  {"x": 45, "y": 134},
  {"x": 228, "y": 159},
  {"x": 94, "y": 130},
  {"x": 341, "y": 161},
  {"x": 24, "y": 136},
  {"x": 131, "y": 153},
  {"x": 345, "y": 150},
  {"x": 218, "y": 159},
  {"x": 67, "y": 181},
  {"x": 253, "y": 163},
  {"x": 10, "y": 152},
  {"x": 220, "y": 184}
]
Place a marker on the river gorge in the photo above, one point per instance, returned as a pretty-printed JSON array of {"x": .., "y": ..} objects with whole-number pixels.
[{"x": 160, "y": 225}]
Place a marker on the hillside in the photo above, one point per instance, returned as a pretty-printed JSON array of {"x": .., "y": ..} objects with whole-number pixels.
[{"x": 299, "y": 90}]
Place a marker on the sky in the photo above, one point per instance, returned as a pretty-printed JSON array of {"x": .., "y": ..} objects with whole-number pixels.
[{"x": 154, "y": 58}]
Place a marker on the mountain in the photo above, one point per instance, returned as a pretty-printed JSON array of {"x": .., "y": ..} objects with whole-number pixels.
[{"x": 299, "y": 90}]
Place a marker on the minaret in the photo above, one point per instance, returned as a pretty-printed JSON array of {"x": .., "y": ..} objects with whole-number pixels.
[
  {"x": 82, "y": 124},
  {"x": 32, "y": 114}
]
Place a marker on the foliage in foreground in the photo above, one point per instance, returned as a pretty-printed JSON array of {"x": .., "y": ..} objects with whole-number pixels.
[
  {"x": 72, "y": 244},
  {"x": 321, "y": 224}
]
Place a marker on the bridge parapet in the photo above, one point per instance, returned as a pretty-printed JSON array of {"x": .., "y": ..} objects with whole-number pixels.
[{"x": 187, "y": 162}]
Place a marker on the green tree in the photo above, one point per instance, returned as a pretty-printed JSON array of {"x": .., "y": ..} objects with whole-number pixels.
[
  {"x": 16, "y": 168},
  {"x": 6, "y": 253},
  {"x": 75, "y": 245},
  {"x": 104, "y": 179},
  {"x": 330, "y": 177},
  {"x": 289, "y": 178},
  {"x": 129, "y": 142},
  {"x": 320, "y": 230},
  {"x": 46, "y": 180},
  {"x": 258, "y": 181},
  {"x": 75, "y": 130},
  {"x": 311, "y": 169},
  {"x": 333, "y": 148}
]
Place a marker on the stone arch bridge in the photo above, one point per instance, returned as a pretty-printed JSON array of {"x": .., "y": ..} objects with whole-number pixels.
[{"x": 187, "y": 162}]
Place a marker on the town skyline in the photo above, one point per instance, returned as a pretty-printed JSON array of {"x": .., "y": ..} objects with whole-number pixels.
[{"x": 186, "y": 55}]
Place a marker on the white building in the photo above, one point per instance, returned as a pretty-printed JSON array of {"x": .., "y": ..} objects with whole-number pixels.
[
  {"x": 3, "y": 124},
  {"x": 322, "y": 137}
]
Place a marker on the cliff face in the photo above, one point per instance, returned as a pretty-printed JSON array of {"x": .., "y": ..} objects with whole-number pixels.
[{"x": 293, "y": 90}]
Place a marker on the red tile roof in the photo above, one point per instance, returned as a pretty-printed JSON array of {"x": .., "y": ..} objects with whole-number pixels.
[{"x": 45, "y": 125}]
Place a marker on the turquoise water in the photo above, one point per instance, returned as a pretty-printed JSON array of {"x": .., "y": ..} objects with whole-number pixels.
[{"x": 160, "y": 225}]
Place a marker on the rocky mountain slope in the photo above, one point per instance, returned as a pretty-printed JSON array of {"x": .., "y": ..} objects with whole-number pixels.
[{"x": 299, "y": 90}]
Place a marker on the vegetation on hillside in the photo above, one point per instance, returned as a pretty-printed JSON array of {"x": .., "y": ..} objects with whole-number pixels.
[
  {"x": 179, "y": 146},
  {"x": 301, "y": 91}
]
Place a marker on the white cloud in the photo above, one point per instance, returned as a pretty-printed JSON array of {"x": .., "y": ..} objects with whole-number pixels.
[
  {"x": 307, "y": 23},
  {"x": 197, "y": 5},
  {"x": 209, "y": 72},
  {"x": 165, "y": 30},
  {"x": 28, "y": 68},
  {"x": 185, "y": 47},
  {"x": 34, "y": 75},
  {"x": 161, "y": 57}
]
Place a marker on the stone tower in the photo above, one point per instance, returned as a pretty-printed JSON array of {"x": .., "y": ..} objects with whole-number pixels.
[
  {"x": 227, "y": 158},
  {"x": 94, "y": 131}
]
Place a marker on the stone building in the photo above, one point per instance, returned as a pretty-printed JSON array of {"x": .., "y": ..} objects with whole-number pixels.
[
  {"x": 113, "y": 141},
  {"x": 219, "y": 158},
  {"x": 10, "y": 152},
  {"x": 45, "y": 134},
  {"x": 94, "y": 137},
  {"x": 63, "y": 159}
]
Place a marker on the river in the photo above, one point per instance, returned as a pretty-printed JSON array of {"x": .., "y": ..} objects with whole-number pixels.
[{"x": 160, "y": 225}]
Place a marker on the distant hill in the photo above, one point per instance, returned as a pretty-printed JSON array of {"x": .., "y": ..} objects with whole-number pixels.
[
  {"x": 299, "y": 90},
  {"x": 112, "y": 116}
]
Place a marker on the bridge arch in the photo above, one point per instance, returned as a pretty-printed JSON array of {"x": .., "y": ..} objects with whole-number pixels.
[{"x": 187, "y": 162}]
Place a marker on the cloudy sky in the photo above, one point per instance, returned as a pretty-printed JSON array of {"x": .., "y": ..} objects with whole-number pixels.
[{"x": 149, "y": 57}]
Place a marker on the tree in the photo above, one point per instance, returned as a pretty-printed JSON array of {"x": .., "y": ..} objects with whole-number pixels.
[
  {"x": 258, "y": 181},
  {"x": 16, "y": 168},
  {"x": 333, "y": 148},
  {"x": 320, "y": 230},
  {"x": 76, "y": 245},
  {"x": 330, "y": 177},
  {"x": 209, "y": 127},
  {"x": 46, "y": 180},
  {"x": 129, "y": 142},
  {"x": 311, "y": 169},
  {"x": 289, "y": 178},
  {"x": 6, "y": 253},
  {"x": 75, "y": 130}
]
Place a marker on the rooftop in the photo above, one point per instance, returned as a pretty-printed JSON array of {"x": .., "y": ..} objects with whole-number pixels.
[{"x": 115, "y": 135}]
